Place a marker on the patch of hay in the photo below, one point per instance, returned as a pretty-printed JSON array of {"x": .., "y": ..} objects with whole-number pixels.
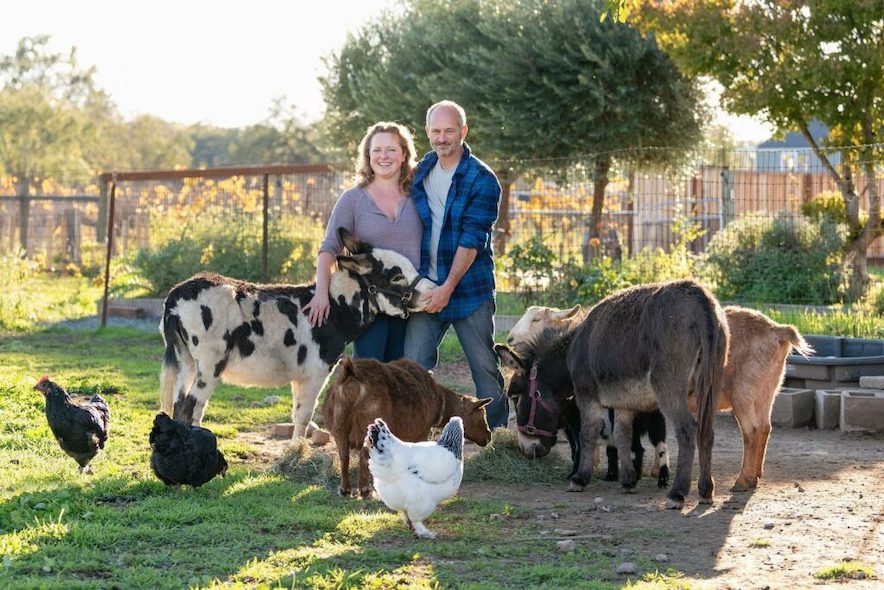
[
  {"x": 301, "y": 462},
  {"x": 502, "y": 461}
]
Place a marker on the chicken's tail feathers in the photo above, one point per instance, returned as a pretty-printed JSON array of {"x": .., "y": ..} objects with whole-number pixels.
[
  {"x": 377, "y": 432},
  {"x": 99, "y": 403},
  {"x": 177, "y": 358},
  {"x": 452, "y": 436}
]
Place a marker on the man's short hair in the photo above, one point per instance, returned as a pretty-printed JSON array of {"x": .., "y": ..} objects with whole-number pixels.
[{"x": 461, "y": 114}]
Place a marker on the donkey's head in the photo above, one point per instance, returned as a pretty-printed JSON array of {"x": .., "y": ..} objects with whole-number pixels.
[
  {"x": 394, "y": 285},
  {"x": 539, "y": 385}
]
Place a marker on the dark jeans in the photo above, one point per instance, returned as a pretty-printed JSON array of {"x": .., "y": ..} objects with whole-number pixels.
[
  {"x": 384, "y": 340},
  {"x": 476, "y": 336}
]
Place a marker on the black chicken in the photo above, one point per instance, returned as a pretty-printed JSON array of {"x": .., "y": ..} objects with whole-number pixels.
[
  {"x": 182, "y": 454},
  {"x": 81, "y": 430}
]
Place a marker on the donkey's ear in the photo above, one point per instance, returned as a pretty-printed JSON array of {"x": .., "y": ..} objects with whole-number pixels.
[
  {"x": 353, "y": 244},
  {"x": 483, "y": 402},
  {"x": 359, "y": 263},
  {"x": 507, "y": 357}
]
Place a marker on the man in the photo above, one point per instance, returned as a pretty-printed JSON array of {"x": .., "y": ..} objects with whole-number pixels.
[{"x": 457, "y": 196}]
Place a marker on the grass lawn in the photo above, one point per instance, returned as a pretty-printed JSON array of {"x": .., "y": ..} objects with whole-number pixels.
[{"x": 123, "y": 528}]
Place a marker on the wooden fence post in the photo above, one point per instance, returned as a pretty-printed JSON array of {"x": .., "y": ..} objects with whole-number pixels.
[
  {"x": 101, "y": 227},
  {"x": 24, "y": 212},
  {"x": 727, "y": 196},
  {"x": 264, "y": 234}
]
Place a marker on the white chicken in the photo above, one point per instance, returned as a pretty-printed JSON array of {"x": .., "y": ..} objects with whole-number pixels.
[{"x": 412, "y": 478}]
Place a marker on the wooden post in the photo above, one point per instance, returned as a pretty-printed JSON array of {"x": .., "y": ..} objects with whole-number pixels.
[
  {"x": 264, "y": 239},
  {"x": 24, "y": 212},
  {"x": 630, "y": 217},
  {"x": 727, "y": 197},
  {"x": 101, "y": 227},
  {"x": 110, "y": 249}
]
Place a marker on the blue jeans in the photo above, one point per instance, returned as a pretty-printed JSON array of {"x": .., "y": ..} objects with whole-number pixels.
[
  {"x": 476, "y": 336},
  {"x": 384, "y": 340}
]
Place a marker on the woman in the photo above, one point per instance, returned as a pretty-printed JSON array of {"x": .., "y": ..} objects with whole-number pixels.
[{"x": 379, "y": 210}]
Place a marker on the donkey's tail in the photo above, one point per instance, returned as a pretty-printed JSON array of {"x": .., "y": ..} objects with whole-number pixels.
[
  {"x": 176, "y": 358},
  {"x": 712, "y": 359}
]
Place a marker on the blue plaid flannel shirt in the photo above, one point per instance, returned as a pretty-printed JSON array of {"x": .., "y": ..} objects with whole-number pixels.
[{"x": 470, "y": 213}]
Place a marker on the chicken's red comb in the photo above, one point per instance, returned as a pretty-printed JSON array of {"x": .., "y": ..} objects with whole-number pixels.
[{"x": 43, "y": 380}]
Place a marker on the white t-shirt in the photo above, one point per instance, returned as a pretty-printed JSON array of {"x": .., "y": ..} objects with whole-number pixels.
[{"x": 437, "y": 183}]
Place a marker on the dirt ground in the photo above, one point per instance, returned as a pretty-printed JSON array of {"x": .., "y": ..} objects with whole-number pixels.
[{"x": 821, "y": 501}]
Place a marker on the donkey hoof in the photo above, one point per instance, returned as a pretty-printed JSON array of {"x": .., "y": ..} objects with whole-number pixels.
[
  {"x": 575, "y": 487},
  {"x": 630, "y": 490},
  {"x": 705, "y": 500},
  {"x": 344, "y": 492},
  {"x": 676, "y": 503}
]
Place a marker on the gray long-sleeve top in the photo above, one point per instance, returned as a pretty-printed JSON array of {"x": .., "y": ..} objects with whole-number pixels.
[{"x": 357, "y": 212}]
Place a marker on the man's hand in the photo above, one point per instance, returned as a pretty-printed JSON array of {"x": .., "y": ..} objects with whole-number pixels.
[{"x": 437, "y": 298}]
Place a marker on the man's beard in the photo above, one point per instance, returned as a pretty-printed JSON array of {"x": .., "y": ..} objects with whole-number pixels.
[{"x": 446, "y": 149}]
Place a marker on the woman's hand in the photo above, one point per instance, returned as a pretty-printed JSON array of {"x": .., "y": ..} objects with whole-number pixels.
[{"x": 318, "y": 308}]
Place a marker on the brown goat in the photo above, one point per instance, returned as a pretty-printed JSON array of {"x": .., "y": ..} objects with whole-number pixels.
[
  {"x": 752, "y": 376},
  {"x": 405, "y": 396}
]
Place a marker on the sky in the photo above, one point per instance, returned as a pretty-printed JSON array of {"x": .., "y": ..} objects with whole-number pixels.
[{"x": 220, "y": 63}]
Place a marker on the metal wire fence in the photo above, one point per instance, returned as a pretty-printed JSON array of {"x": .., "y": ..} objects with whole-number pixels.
[{"x": 266, "y": 222}]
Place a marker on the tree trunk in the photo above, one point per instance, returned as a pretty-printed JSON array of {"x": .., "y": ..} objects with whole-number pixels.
[
  {"x": 857, "y": 250},
  {"x": 502, "y": 226},
  {"x": 599, "y": 184},
  {"x": 859, "y": 278}
]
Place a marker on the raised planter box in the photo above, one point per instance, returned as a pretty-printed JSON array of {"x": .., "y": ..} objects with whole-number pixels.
[
  {"x": 133, "y": 308},
  {"x": 838, "y": 362},
  {"x": 862, "y": 409},
  {"x": 828, "y": 409},
  {"x": 793, "y": 408}
]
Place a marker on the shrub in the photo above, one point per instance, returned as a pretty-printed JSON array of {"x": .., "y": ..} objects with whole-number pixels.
[
  {"x": 827, "y": 205},
  {"x": 15, "y": 269},
  {"x": 783, "y": 259},
  {"x": 530, "y": 267},
  {"x": 228, "y": 248}
]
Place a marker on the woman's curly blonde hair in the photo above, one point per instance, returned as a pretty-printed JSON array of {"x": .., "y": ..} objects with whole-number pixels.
[{"x": 364, "y": 173}]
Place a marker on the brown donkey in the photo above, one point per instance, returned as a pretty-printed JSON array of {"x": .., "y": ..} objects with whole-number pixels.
[{"x": 405, "y": 396}]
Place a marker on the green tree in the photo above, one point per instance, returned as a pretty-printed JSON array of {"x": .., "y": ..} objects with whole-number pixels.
[
  {"x": 538, "y": 79},
  {"x": 211, "y": 145},
  {"x": 790, "y": 62},
  {"x": 281, "y": 138},
  {"x": 155, "y": 144},
  {"x": 41, "y": 117}
]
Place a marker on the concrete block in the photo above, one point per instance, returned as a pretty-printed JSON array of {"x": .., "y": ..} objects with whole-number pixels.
[
  {"x": 872, "y": 382},
  {"x": 320, "y": 437},
  {"x": 828, "y": 409},
  {"x": 862, "y": 409},
  {"x": 283, "y": 430},
  {"x": 793, "y": 408}
]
